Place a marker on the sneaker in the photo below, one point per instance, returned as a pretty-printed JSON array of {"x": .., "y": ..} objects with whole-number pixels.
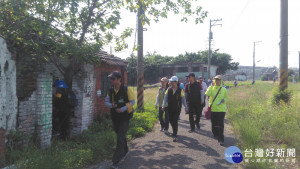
[
  {"x": 114, "y": 166},
  {"x": 175, "y": 139},
  {"x": 191, "y": 131},
  {"x": 166, "y": 132},
  {"x": 161, "y": 129},
  {"x": 221, "y": 143}
]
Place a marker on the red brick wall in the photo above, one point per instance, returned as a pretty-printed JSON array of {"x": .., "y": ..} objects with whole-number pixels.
[
  {"x": 99, "y": 107},
  {"x": 2, "y": 145}
]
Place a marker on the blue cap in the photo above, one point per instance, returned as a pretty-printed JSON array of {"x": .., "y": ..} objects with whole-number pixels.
[{"x": 61, "y": 83}]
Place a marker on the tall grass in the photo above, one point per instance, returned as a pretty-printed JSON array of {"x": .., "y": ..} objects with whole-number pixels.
[{"x": 260, "y": 124}]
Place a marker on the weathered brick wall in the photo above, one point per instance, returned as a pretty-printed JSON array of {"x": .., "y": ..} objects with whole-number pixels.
[
  {"x": 26, "y": 97},
  {"x": 44, "y": 109},
  {"x": 2, "y": 145},
  {"x": 35, "y": 113},
  {"x": 27, "y": 116},
  {"x": 84, "y": 88},
  {"x": 8, "y": 96}
]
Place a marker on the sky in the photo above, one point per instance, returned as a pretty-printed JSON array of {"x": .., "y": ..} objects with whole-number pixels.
[{"x": 243, "y": 22}]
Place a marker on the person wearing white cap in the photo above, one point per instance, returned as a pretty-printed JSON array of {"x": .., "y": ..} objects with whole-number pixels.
[
  {"x": 174, "y": 97},
  {"x": 164, "y": 122}
]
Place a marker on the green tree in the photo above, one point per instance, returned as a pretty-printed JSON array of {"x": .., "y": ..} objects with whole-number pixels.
[
  {"x": 56, "y": 30},
  {"x": 291, "y": 72},
  {"x": 222, "y": 60},
  {"x": 152, "y": 62}
]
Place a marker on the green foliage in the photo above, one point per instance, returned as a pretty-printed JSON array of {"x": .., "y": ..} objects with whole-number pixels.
[
  {"x": 290, "y": 78},
  {"x": 264, "y": 78},
  {"x": 222, "y": 60},
  {"x": 153, "y": 61},
  {"x": 291, "y": 72},
  {"x": 280, "y": 96},
  {"x": 262, "y": 125},
  {"x": 93, "y": 145},
  {"x": 240, "y": 83}
]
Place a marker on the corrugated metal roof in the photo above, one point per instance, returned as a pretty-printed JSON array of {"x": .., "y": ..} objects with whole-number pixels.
[{"x": 111, "y": 59}]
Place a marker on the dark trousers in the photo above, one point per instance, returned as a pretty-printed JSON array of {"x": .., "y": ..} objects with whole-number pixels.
[
  {"x": 197, "y": 110},
  {"x": 120, "y": 127},
  {"x": 173, "y": 115},
  {"x": 217, "y": 125},
  {"x": 164, "y": 122}
]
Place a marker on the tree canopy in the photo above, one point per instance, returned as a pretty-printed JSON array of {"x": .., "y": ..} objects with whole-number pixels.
[
  {"x": 152, "y": 62},
  {"x": 56, "y": 30}
]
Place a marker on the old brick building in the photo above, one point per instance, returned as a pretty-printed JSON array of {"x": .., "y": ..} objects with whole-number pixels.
[
  {"x": 109, "y": 63},
  {"x": 26, "y": 94}
]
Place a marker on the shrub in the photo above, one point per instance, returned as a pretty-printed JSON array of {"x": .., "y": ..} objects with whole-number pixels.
[{"x": 279, "y": 96}]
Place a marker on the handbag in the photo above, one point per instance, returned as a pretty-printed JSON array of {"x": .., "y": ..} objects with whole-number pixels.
[{"x": 207, "y": 112}]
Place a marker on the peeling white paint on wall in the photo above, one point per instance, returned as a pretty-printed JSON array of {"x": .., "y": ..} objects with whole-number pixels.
[{"x": 8, "y": 96}]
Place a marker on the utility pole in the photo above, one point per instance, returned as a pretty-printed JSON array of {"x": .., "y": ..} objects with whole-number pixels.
[
  {"x": 283, "y": 61},
  {"x": 140, "y": 63},
  {"x": 210, "y": 37},
  {"x": 254, "y": 43}
]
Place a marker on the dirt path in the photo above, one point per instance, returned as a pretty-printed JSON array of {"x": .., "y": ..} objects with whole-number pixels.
[{"x": 193, "y": 150}]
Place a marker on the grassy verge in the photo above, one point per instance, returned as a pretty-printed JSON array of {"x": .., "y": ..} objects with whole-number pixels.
[
  {"x": 260, "y": 124},
  {"x": 94, "y": 145},
  {"x": 242, "y": 83}
]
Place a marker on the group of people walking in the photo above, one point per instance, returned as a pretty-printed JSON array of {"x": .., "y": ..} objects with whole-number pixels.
[
  {"x": 192, "y": 96},
  {"x": 170, "y": 98}
]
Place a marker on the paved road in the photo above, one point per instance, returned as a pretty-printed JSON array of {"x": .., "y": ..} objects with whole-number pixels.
[{"x": 193, "y": 150}]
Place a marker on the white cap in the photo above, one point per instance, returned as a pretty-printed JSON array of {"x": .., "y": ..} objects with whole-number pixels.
[{"x": 174, "y": 79}]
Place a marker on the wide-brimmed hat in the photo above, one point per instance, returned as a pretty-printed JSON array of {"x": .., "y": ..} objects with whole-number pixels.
[
  {"x": 164, "y": 79},
  {"x": 174, "y": 79},
  {"x": 218, "y": 77}
]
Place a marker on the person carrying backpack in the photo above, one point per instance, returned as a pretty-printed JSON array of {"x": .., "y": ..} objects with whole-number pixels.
[
  {"x": 174, "y": 97},
  {"x": 195, "y": 98},
  {"x": 120, "y": 100}
]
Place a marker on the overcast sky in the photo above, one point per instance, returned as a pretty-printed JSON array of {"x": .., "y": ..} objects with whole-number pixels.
[{"x": 243, "y": 22}]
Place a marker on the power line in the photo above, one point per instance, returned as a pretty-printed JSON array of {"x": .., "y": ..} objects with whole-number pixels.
[{"x": 242, "y": 12}]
